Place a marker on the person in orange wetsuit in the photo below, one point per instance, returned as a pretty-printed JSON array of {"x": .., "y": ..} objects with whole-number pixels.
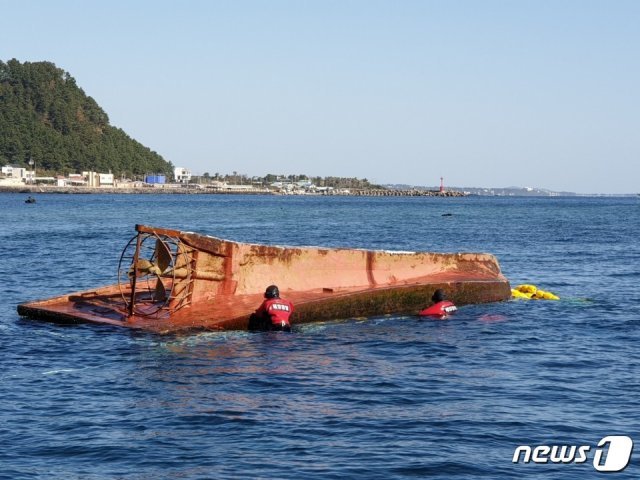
[
  {"x": 274, "y": 312},
  {"x": 441, "y": 306}
]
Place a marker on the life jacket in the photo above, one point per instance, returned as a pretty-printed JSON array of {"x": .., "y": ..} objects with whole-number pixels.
[
  {"x": 278, "y": 310},
  {"x": 440, "y": 309}
]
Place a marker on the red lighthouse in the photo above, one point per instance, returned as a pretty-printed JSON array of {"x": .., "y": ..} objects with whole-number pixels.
[{"x": 441, "y": 184}]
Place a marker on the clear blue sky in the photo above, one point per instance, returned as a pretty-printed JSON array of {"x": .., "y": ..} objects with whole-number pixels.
[{"x": 485, "y": 93}]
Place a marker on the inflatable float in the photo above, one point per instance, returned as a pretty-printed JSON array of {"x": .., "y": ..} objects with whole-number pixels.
[{"x": 531, "y": 292}]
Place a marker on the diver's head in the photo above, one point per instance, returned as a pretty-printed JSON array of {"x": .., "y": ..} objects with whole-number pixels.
[
  {"x": 438, "y": 296},
  {"x": 272, "y": 292}
]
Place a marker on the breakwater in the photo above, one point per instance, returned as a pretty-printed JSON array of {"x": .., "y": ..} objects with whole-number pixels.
[
  {"x": 406, "y": 193},
  {"x": 35, "y": 189}
]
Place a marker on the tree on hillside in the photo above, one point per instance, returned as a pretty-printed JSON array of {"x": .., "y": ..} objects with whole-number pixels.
[{"x": 44, "y": 115}]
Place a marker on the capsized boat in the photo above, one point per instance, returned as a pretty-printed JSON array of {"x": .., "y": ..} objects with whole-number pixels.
[{"x": 171, "y": 281}]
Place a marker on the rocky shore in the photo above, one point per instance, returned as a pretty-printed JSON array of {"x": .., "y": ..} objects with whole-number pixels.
[
  {"x": 406, "y": 193},
  {"x": 35, "y": 189}
]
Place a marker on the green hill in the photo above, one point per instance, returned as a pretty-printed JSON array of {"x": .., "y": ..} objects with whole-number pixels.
[{"x": 44, "y": 115}]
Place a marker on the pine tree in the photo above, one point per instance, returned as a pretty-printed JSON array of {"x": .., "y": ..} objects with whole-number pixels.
[{"x": 44, "y": 115}]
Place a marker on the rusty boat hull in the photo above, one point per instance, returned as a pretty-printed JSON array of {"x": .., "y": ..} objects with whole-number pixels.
[{"x": 186, "y": 281}]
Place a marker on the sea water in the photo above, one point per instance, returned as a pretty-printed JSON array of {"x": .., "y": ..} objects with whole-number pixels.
[{"x": 383, "y": 397}]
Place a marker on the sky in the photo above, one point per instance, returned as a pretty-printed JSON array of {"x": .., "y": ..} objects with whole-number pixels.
[{"x": 485, "y": 93}]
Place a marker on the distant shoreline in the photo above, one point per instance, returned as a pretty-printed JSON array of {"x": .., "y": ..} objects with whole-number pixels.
[
  {"x": 35, "y": 189},
  {"x": 39, "y": 189}
]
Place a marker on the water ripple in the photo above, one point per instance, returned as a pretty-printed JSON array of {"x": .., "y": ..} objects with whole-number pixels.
[{"x": 387, "y": 397}]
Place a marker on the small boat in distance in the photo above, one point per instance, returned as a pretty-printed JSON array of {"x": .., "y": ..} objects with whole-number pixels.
[
  {"x": 30, "y": 199},
  {"x": 171, "y": 281}
]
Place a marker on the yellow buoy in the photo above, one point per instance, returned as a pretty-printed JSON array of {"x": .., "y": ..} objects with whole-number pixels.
[
  {"x": 532, "y": 292},
  {"x": 527, "y": 288},
  {"x": 542, "y": 295},
  {"x": 518, "y": 294}
]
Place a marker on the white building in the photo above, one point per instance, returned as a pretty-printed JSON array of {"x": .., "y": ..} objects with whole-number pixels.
[
  {"x": 16, "y": 172},
  {"x": 95, "y": 179},
  {"x": 12, "y": 176},
  {"x": 105, "y": 179},
  {"x": 182, "y": 175}
]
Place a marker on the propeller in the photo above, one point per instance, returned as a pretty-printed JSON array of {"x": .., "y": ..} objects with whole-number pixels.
[
  {"x": 148, "y": 257},
  {"x": 145, "y": 267},
  {"x": 163, "y": 254}
]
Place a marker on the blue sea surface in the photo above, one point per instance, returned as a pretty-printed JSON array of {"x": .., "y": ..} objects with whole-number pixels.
[{"x": 378, "y": 398}]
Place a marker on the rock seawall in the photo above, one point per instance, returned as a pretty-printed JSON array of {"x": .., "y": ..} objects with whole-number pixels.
[{"x": 35, "y": 189}]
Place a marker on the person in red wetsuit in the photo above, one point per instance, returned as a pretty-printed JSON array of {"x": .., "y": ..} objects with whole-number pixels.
[
  {"x": 274, "y": 312},
  {"x": 441, "y": 306}
]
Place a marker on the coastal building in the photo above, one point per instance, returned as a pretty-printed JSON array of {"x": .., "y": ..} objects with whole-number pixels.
[
  {"x": 182, "y": 175},
  {"x": 84, "y": 179},
  {"x": 76, "y": 179},
  {"x": 301, "y": 186},
  {"x": 13, "y": 176},
  {"x": 95, "y": 179},
  {"x": 16, "y": 172},
  {"x": 106, "y": 179},
  {"x": 155, "y": 179}
]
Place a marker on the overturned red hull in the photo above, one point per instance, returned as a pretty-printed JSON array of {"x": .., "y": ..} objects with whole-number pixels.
[{"x": 170, "y": 281}]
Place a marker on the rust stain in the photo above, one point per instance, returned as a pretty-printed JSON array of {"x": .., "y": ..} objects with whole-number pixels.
[
  {"x": 371, "y": 264},
  {"x": 259, "y": 254},
  {"x": 228, "y": 285}
]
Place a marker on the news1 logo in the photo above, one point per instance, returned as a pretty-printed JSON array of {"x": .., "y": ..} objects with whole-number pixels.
[{"x": 612, "y": 454}]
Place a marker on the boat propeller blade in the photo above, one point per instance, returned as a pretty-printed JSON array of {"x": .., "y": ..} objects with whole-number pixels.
[
  {"x": 163, "y": 254},
  {"x": 143, "y": 267},
  {"x": 160, "y": 293}
]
